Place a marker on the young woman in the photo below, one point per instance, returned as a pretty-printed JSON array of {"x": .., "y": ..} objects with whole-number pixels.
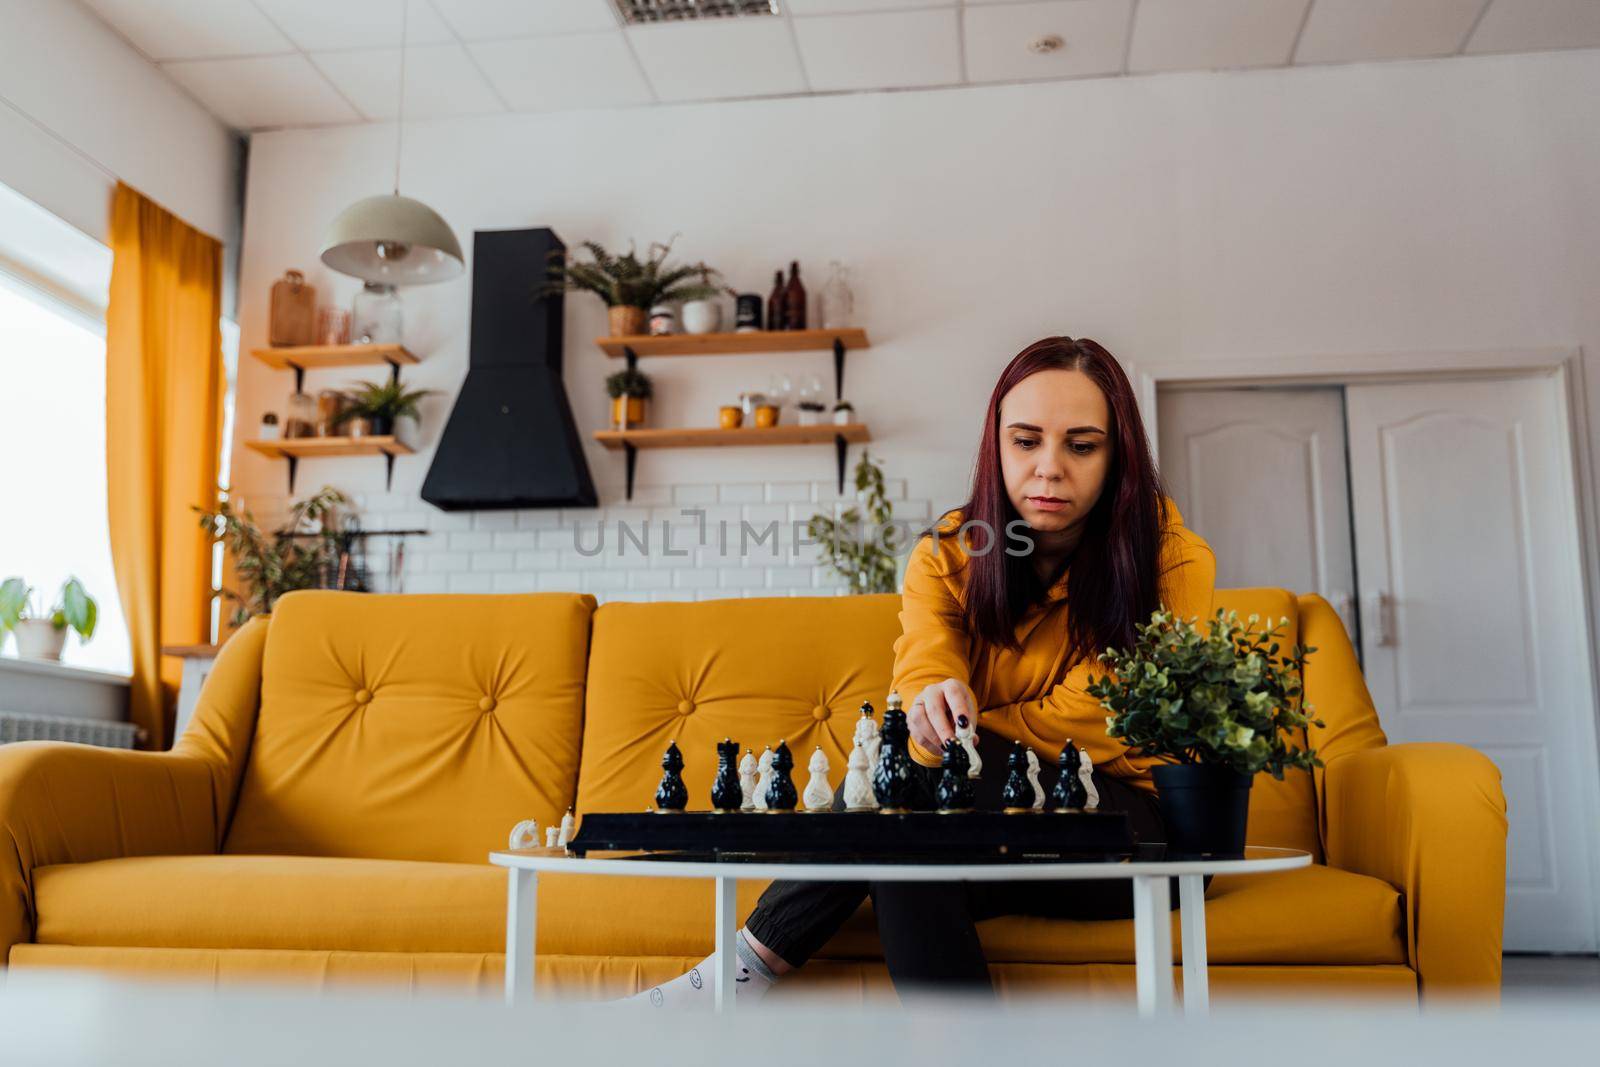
[{"x": 1065, "y": 544}]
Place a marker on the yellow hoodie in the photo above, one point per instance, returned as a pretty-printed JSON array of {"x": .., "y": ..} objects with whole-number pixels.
[{"x": 1029, "y": 694}]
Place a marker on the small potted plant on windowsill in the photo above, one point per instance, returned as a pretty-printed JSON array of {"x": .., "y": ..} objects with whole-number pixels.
[
  {"x": 630, "y": 286},
  {"x": 43, "y": 634},
  {"x": 630, "y": 392},
  {"x": 376, "y": 408},
  {"x": 1223, "y": 705}
]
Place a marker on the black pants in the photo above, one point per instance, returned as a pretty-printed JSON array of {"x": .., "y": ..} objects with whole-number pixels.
[{"x": 928, "y": 929}]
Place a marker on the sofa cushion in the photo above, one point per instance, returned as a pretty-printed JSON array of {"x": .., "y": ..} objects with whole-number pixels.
[
  {"x": 1314, "y": 915},
  {"x": 413, "y": 727}
]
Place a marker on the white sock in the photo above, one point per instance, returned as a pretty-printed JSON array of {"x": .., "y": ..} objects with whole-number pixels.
[{"x": 697, "y": 988}]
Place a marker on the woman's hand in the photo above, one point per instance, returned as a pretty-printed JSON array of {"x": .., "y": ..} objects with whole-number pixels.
[{"x": 937, "y": 711}]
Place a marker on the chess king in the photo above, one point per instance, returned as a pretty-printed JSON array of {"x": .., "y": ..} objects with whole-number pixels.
[{"x": 1065, "y": 543}]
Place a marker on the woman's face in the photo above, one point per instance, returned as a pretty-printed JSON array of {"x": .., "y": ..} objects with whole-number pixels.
[{"x": 1055, "y": 448}]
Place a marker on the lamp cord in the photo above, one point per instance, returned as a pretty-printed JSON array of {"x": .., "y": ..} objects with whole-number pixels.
[{"x": 400, "y": 111}]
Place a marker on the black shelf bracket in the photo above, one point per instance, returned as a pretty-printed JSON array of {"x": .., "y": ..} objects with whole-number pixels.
[
  {"x": 838, "y": 369},
  {"x": 630, "y": 454},
  {"x": 299, "y": 377},
  {"x": 294, "y": 466},
  {"x": 841, "y": 449},
  {"x": 394, "y": 373},
  {"x": 388, "y": 462},
  {"x": 631, "y": 357}
]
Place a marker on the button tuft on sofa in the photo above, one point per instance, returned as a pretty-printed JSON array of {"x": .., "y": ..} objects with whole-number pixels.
[
  {"x": 685, "y": 706},
  {"x": 820, "y": 712},
  {"x": 486, "y": 704},
  {"x": 363, "y": 696}
]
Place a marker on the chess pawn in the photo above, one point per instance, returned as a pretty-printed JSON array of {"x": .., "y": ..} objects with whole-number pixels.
[
  {"x": 525, "y": 834},
  {"x": 552, "y": 834},
  {"x": 867, "y": 735},
  {"x": 955, "y": 791},
  {"x": 747, "y": 782},
  {"x": 672, "y": 794},
  {"x": 858, "y": 794},
  {"x": 726, "y": 794},
  {"x": 1086, "y": 776},
  {"x": 564, "y": 833},
  {"x": 1018, "y": 794},
  {"x": 893, "y": 781},
  {"x": 763, "y": 778},
  {"x": 1033, "y": 780},
  {"x": 781, "y": 795},
  {"x": 1068, "y": 794},
  {"x": 819, "y": 794}
]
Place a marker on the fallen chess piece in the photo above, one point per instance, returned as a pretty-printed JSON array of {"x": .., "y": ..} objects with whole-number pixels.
[
  {"x": 867, "y": 735},
  {"x": 968, "y": 736},
  {"x": 780, "y": 794},
  {"x": 525, "y": 834},
  {"x": 1033, "y": 780},
  {"x": 747, "y": 782},
  {"x": 819, "y": 794},
  {"x": 672, "y": 794},
  {"x": 568, "y": 826},
  {"x": 763, "y": 778},
  {"x": 1086, "y": 776},
  {"x": 955, "y": 791},
  {"x": 1018, "y": 794},
  {"x": 1068, "y": 794},
  {"x": 858, "y": 794},
  {"x": 726, "y": 794}
]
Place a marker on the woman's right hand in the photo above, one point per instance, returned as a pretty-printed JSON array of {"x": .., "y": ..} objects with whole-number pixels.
[{"x": 937, "y": 711}]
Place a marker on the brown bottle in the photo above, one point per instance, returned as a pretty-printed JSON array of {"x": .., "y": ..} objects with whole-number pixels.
[
  {"x": 775, "y": 302},
  {"x": 794, "y": 300}
]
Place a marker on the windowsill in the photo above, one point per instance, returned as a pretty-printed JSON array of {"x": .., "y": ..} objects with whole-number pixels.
[{"x": 54, "y": 669}]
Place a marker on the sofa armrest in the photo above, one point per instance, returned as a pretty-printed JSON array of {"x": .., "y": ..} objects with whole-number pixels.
[
  {"x": 1429, "y": 819},
  {"x": 67, "y": 803}
]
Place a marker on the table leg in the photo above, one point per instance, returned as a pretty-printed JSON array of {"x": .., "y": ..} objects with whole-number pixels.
[
  {"x": 1152, "y": 944},
  {"x": 522, "y": 889},
  {"x": 727, "y": 927},
  {"x": 1192, "y": 916}
]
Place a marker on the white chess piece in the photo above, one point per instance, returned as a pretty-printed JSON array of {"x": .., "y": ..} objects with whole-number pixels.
[
  {"x": 551, "y": 833},
  {"x": 1033, "y": 780},
  {"x": 567, "y": 826},
  {"x": 858, "y": 792},
  {"x": 869, "y": 740},
  {"x": 819, "y": 794},
  {"x": 763, "y": 778},
  {"x": 525, "y": 834},
  {"x": 1086, "y": 776},
  {"x": 967, "y": 735},
  {"x": 747, "y": 782}
]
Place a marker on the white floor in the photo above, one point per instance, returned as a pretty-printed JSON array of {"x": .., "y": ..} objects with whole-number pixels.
[{"x": 1528, "y": 978}]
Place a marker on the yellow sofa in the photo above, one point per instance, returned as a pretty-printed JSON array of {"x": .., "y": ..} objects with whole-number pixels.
[{"x": 326, "y": 818}]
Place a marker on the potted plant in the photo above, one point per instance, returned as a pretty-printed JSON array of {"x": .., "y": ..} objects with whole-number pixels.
[
  {"x": 811, "y": 412},
  {"x": 844, "y": 413},
  {"x": 629, "y": 390},
  {"x": 376, "y": 408},
  {"x": 299, "y": 555},
  {"x": 1224, "y": 705},
  {"x": 851, "y": 545},
  {"x": 42, "y": 634},
  {"x": 628, "y": 285}
]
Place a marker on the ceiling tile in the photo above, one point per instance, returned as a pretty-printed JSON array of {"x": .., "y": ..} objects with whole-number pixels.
[
  {"x": 1341, "y": 30},
  {"x": 1094, "y": 32},
  {"x": 193, "y": 29},
  {"x": 575, "y": 70},
  {"x": 1536, "y": 25},
  {"x": 492, "y": 20},
  {"x": 440, "y": 80},
  {"x": 249, "y": 94},
  {"x": 834, "y": 7},
  {"x": 1199, "y": 34},
  {"x": 324, "y": 25},
  {"x": 717, "y": 59},
  {"x": 883, "y": 50}
]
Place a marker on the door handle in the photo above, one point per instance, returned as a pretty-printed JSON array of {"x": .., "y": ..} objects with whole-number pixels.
[{"x": 1387, "y": 636}]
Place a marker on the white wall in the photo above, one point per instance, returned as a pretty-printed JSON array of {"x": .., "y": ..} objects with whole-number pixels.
[
  {"x": 1361, "y": 208},
  {"x": 67, "y": 80}
]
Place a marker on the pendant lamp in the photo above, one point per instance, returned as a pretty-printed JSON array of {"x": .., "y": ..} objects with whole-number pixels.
[{"x": 393, "y": 240}]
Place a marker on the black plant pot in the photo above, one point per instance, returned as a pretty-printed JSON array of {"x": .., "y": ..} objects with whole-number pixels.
[
  {"x": 382, "y": 425},
  {"x": 1206, "y": 809}
]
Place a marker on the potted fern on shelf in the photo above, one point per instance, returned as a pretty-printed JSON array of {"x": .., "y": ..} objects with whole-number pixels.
[
  {"x": 630, "y": 286},
  {"x": 1221, "y": 706},
  {"x": 376, "y": 409}
]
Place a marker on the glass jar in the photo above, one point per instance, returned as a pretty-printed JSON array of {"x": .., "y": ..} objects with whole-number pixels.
[
  {"x": 301, "y": 420},
  {"x": 330, "y": 405},
  {"x": 375, "y": 315},
  {"x": 836, "y": 304}
]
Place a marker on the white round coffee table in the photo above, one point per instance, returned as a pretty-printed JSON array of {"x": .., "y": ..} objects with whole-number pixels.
[{"x": 1152, "y": 904}]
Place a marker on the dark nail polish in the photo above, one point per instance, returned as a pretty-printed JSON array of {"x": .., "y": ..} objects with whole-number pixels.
[{"x": 961, "y": 721}]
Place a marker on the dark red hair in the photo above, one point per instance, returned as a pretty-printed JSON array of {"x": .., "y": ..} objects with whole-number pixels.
[{"x": 1113, "y": 580}]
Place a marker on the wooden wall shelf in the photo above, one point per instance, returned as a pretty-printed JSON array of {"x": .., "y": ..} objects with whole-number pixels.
[
  {"x": 630, "y": 441},
  {"x": 301, "y": 358},
  {"x": 732, "y": 344},
  {"x": 294, "y": 449}
]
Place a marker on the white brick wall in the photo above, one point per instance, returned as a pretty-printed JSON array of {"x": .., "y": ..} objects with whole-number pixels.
[{"x": 554, "y": 549}]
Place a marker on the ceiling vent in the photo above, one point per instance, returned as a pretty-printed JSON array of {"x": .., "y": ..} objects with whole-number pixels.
[{"x": 639, "y": 12}]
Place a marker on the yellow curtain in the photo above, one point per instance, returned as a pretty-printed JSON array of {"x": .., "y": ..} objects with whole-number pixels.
[{"x": 164, "y": 395}]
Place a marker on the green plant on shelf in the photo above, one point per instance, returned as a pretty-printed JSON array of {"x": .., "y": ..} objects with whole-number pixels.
[
  {"x": 384, "y": 402},
  {"x": 852, "y": 545},
  {"x": 74, "y": 608},
  {"x": 627, "y": 280},
  {"x": 631, "y": 383}
]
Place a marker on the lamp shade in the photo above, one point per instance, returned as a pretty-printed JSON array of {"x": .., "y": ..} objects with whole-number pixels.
[{"x": 392, "y": 240}]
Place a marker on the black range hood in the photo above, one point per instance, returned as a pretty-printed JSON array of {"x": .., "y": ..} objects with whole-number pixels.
[{"x": 511, "y": 441}]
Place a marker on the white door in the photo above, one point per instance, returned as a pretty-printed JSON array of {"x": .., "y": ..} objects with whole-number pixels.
[
  {"x": 1260, "y": 474},
  {"x": 1473, "y": 621}
]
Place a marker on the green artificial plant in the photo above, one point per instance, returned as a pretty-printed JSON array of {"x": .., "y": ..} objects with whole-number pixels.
[
  {"x": 853, "y": 545},
  {"x": 383, "y": 401},
  {"x": 630, "y": 383},
  {"x": 298, "y": 555},
  {"x": 628, "y": 281}
]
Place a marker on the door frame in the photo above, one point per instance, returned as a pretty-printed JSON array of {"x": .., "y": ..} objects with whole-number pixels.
[{"x": 1562, "y": 364}]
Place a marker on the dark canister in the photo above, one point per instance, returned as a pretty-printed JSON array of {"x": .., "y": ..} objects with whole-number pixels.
[
  {"x": 747, "y": 312},
  {"x": 1206, "y": 808}
]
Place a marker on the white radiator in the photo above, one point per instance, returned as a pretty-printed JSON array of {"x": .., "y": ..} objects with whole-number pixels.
[{"x": 15, "y": 726}]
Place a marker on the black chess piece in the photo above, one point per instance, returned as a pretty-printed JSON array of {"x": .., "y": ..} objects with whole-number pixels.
[
  {"x": 1069, "y": 793},
  {"x": 955, "y": 792},
  {"x": 1018, "y": 793},
  {"x": 781, "y": 795},
  {"x": 725, "y": 792},
  {"x": 672, "y": 794},
  {"x": 894, "y": 781}
]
